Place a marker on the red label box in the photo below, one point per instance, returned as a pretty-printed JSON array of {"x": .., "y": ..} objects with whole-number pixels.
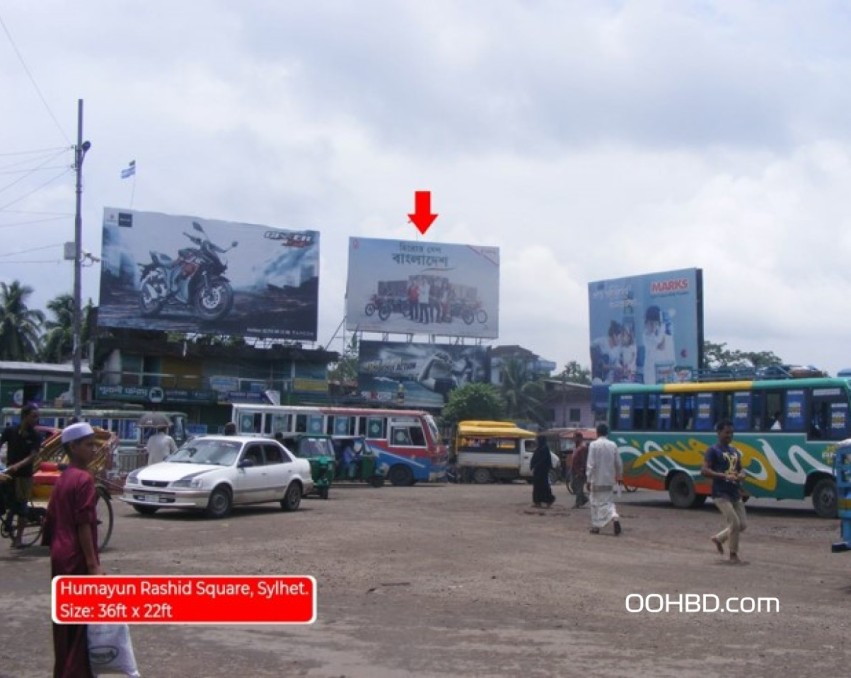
[{"x": 184, "y": 599}]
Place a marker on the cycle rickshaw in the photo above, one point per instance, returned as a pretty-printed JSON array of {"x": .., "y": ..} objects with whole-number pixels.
[{"x": 48, "y": 463}]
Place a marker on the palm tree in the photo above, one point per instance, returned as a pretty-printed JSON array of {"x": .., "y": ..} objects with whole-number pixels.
[
  {"x": 20, "y": 327},
  {"x": 58, "y": 340},
  {"x": 522, "y": 395}
]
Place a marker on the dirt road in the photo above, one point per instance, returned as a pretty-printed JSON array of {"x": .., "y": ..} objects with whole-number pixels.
[{"x": 466, "y": 580}]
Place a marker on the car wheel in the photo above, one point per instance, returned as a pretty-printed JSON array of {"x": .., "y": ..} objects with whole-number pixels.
[
  {"x": 220, "y": 503},
  {"x": 145, "y": 510},
  {"x": 482, "y": 476},
  {"x": 824, "y": 498},
  {"x": 400, "y": 476},
  {"x": 292, "y": 498}
]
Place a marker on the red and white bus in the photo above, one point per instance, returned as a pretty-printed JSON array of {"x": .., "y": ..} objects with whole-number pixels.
[{"x": 407, "y": 442}]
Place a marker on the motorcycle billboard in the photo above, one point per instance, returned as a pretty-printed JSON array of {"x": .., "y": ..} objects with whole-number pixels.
[
  {"x": 645, "y": 329},
  {"x": 188, "y": 274},
  {"x": 418, "y": 287},
  {"x": 418, "y": 375}
]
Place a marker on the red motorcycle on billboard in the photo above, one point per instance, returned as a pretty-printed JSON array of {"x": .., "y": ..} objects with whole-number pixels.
[{"x": 195, "y": 279}]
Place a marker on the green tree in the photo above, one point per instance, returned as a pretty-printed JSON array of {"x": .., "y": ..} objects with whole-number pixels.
[
  {"x": 523, "y": 395},
  {"x": 575, "y": 373},
  {"x": 345, "y": 370},
  {"x": 20, "y": 326},
  {"x": 58, "y": 341},
  {"x": 719, "y": 356},
  {"x": 473, "y": 401}
]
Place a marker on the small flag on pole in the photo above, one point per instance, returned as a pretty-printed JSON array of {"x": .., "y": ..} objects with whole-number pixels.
[{"x": 129, "y": 171}]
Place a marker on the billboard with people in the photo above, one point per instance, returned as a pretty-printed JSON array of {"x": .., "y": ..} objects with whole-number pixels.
[
  {"x": 419, "y": 287},
  {"x": 418, "y": 375},
  {"x": 188, "y": 274},
  {"x": 646, "y": 329}
]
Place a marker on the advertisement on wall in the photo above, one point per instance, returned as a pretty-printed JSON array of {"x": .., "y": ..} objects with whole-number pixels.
[
  {"x": 187, "y": 274},
  {"x": 645, "y": 329},
  {"x": 418, "y": 375},
  {"x": 428, "y": 288}
]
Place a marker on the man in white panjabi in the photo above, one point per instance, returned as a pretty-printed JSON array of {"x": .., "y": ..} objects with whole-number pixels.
[
  {"x": 604, "y": 472},
  {"x": 160, "y": 445}
]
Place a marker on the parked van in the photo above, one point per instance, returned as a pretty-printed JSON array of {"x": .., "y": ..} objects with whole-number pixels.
[{"x": 487, "y": 451}]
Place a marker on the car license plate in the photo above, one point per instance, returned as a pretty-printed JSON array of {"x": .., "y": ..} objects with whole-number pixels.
[{"x": 151, "y": 497}]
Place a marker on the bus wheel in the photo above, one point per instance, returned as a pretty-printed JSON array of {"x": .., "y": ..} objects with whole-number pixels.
[
  {"x": 482, "y": 476},
  {"x": 681, "y": 491},
  {"x": 400, "y": 476},
  {"x": 824, "y": 498}
]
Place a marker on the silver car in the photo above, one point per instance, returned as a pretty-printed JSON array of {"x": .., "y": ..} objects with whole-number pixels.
[{"x": 216, "y": 473}]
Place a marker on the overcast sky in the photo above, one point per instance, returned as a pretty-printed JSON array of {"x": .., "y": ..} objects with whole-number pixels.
[{"x": 587, "y": 139}]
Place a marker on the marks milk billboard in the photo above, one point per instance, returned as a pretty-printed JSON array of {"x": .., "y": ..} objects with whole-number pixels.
[
  {"x": 646, "y": 328},
  {"x": 187, "y": 274}
]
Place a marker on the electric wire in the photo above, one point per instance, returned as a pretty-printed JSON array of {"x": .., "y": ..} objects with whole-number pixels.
[
  {"x": 37, "y": 188},
  {"x": 32, "y": 80}
]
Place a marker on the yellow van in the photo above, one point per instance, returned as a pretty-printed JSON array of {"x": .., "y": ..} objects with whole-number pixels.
[{"x": 487, "y": 451}]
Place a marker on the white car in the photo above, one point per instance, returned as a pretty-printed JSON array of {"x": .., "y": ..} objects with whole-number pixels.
[{"x": 215, "y": 473}]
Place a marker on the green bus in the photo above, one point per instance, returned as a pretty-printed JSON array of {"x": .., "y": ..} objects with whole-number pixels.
[{"x": 786, "y": 429}]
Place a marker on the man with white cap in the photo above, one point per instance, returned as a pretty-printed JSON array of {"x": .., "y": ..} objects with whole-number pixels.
[{"x": 71, "y": 532}]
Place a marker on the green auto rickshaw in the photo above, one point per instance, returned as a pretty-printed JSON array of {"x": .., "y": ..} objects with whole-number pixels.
[
  {"x": 319, "y": 451},
  {"x": 358, "y": 462}
]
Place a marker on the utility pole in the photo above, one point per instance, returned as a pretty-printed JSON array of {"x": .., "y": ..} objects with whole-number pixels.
[{"x": 79, "y": 154}]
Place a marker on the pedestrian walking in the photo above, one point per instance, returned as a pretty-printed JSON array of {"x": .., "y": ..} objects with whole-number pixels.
[
  {"x": 604, "y": 472},
  {"x": 723, "y": 463},
  {"x": 578, "y": 463},
  {"x": 541, "y": 465}
]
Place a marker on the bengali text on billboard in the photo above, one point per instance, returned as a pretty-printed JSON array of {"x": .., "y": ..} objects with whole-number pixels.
[
  {"x": 187, "y": 274},
  {"x": 419, "y": 287},
  {"x": 418, "y": 375}
]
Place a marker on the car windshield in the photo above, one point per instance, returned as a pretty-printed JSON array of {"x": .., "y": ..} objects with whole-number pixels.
[{"x": 200, "y": 451}]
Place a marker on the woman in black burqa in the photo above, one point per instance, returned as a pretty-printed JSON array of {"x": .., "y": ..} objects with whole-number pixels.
[{"x": 541, "y": 464}]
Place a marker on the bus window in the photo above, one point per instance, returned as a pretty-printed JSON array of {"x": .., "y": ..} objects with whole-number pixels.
[
  {"x": 314, "y": 423},
  {"x": 704, "y": 417},
  {"x": 623, "y": 408},
  {"x": 301, "y": 423},
  {"x": 666, "y": 412},
  {"x": 638, "y": 411},
  {"x": 794, "y": 419},
  {"x": 376, "y": 428},
  {"x": 408, "y": 435},
  {"x": 723, "y": 406},
  {"x": 281, "y": 422},
  {"x": 773, "y": 409},
  {"x": 683, "y": 412},
  {"x": 742, "y": 411},
  {"x": 250, "y": 422},
  {"x": 341, "y": 426},
  {"x": 828, "y": 415}
]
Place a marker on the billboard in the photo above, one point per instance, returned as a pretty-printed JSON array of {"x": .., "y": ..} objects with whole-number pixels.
[
  {"x": 647, "y": 328},
  {"x": 187, "y": 274},
  {"x": 418, "y": 375},
  {"x": 416, "y": 287}
]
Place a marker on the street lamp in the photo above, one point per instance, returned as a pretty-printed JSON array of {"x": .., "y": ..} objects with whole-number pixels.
[{"x": 80, "y": 151}]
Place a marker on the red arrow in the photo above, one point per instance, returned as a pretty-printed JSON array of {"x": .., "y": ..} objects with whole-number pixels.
[{"x": 422, "y": 216}]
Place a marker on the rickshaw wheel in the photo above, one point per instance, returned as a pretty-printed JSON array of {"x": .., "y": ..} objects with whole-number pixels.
[{"x": 103, "y": 507}]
